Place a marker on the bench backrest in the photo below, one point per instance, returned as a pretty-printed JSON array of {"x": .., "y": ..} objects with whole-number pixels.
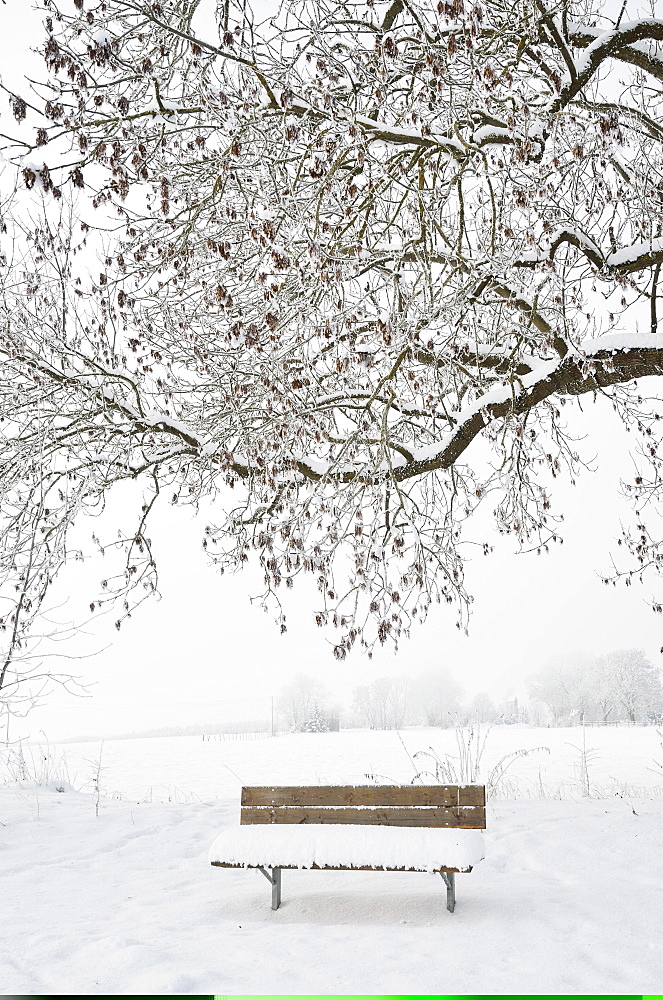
[{"x": 461, "y": 806}]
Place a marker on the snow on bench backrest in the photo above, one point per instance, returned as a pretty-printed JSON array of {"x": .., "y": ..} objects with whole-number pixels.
[{"x": 459, "y": 806}]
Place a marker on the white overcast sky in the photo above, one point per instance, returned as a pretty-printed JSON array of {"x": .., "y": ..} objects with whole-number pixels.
[{"x": 204, "y": 652}]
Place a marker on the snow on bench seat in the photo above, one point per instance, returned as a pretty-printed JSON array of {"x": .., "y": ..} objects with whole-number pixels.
[{"x": 316, "y": 845}]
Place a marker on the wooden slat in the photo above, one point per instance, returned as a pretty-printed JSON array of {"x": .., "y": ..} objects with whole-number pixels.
[
  {"x": 364, "y": 795},
  {"x": 470, "y": 817},
  {"x": 342, "y": 868}
]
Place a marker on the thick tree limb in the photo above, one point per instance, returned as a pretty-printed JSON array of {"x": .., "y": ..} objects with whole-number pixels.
[
  {"x": 581, "y": 242},
  {"x": 583, "y": 37},
  {"x": 601, "y": 48},
  {"x": 627, "y": 260},
  {"x": 571, "y": 377},
  {"x": 495, "y": 362}
]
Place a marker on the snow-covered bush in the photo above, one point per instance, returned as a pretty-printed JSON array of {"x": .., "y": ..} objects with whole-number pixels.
[{"x": 317, "y": 722}]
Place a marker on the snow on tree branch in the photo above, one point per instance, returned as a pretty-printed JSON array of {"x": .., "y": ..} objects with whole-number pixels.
[
  {"x": 603, "y": 46},
  {"x": 637, "y": 54},
  {"x": 352, "y": 264}
]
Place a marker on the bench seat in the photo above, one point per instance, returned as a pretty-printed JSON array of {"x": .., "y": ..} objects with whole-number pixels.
[{"x": 390, "y": 848}]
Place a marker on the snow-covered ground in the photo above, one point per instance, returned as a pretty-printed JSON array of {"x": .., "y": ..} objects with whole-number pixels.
[{"x": 569, "y": 898}]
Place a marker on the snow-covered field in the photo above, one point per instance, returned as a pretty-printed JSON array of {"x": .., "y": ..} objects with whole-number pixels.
[{"x": 569, "y": 898}]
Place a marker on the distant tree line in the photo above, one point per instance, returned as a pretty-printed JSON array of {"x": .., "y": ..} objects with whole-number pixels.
[
  {"x": 622, "y": 686},
  {"x": 432, "y": 698}
]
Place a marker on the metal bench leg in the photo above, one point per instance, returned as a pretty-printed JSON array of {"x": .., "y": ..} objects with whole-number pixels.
[
  {"x": 450, "y": 882},
  {"x": 276, "y": 888},
  {"x": 275, "y": 881}
]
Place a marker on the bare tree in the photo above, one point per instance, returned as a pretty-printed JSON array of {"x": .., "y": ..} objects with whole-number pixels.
[
  {"x": 297, "y": 701},
  {"x": 384, "y": 703},
  {"x": 635, "y": 683},
  {"x": 398, "y": 701},
  {"x": 556, "y": 686},
  {"x": 364, "y": 705},
  {"x": 359, "y": 257},
  {"x": 604, "y": 698},
  {"x": 436, "y": 697},
  {"x": 482, "y": 708}
]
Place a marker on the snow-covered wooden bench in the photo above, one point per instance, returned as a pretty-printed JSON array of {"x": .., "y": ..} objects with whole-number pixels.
[{"x": 413, "y": 828}]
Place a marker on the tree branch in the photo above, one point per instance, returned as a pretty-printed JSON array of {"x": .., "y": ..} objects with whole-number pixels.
[
  {"x": 601, "y": 48},
  {"x": 583, "y": 37},
  {"x": 570, "y": 376}
]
